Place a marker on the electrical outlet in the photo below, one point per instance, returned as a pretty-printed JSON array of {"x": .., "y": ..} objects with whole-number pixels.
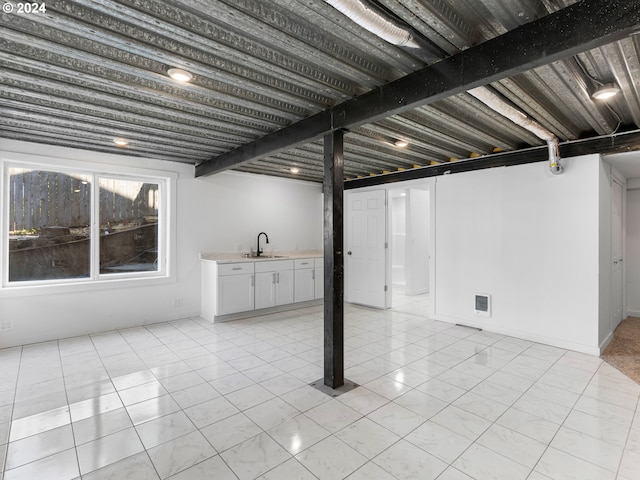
[
  {"x": 6, "y": 324},
  {"x": 178, "y": 302}
]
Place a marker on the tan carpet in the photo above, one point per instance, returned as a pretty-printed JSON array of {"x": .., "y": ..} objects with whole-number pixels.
[{"x": 623, "y": 352}]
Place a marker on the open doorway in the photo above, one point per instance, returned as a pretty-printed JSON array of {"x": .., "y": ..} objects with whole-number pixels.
[
  {"x": 409, "y": 225},
  {"x": 387, "y": 243}
]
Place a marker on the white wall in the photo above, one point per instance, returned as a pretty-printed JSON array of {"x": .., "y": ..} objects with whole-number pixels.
[
  {"x": 632, "y": 261},
  {"x": 213, "y": 214},
  {"x": 235, "y": 207},
  {"x": 418, "y": 226},
  {"x": 398, "y": 239},
  {"x": 605, "y": 326},
  {"x": 530, "y": 240}
]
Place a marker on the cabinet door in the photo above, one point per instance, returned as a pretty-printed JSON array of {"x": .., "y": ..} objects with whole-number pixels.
[
  {"x": 265, "y": 289},
  {"x": 304, "y": 285},
  {"x": 319, "y": 283},
  {"x": 284, "y": 287},
  {"x": 235, "y": 294}
]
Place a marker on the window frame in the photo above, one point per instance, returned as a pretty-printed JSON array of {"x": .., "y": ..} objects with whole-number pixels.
[{"x": 166, "y": 181}]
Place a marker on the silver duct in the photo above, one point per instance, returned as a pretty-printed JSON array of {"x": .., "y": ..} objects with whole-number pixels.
[
  {"x": 498, "y": 105},
  {"x": 364, "y": 15}
]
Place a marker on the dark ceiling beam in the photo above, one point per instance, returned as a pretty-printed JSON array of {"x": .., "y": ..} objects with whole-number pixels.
[
  {"x": 577, "y": 28},
  {"x": 621, "y": 142}
]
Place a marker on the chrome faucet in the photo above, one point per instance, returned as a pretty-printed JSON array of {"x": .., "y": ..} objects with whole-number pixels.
[{"x": 258, "y": 251}]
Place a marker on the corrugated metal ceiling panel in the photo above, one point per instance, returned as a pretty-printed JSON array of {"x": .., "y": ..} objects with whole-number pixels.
[{"x": 87, "y": 71}]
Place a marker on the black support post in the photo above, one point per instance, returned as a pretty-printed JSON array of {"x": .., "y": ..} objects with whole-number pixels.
[{"x": 333, "y": 260}]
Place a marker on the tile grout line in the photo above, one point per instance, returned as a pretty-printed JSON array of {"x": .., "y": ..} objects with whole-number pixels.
[
  {"x": 13, "y": 404},
  {"x": 626, "y": 441},
  {"x": 66, "y": 396},
  {"x": 548, "y": 446},
  {"x": 253, "y": 335}
]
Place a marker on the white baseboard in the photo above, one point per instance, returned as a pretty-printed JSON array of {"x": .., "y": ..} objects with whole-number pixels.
[
  {"x": 546, "y": 340},
  {"x": 605, "y": 343},
  {"x": 265, "y": 311},
  {"x": 412, "y": 293}
]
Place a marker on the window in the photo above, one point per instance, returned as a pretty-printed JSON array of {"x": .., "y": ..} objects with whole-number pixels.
[
  {"x": 71, "y": 225},
  {"x": 128, "y": 212}
]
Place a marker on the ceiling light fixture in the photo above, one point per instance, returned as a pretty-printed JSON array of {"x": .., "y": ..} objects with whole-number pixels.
[
  {"x": 401, "y": 143},
  {"x": 606, "y": 91},
  {"x": 294, "y": 170},
  {"x": 121, "y": 142},
  {"x": 180, "y": 75}
]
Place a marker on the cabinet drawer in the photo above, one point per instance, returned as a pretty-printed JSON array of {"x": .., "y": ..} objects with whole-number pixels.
[
  {"x": 273, "y": 265},
  {"x": 303, "y": 263},
  {"x": 235, "y": 268}
]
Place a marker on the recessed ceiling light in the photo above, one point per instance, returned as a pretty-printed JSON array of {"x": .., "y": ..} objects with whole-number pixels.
[
  {"x": 294, "y": 170},
  {"x": 606, "y": 91},
  {"x": 401, "y": 143},
  {"x": 121, "y": 142},
  {"x": 180, "y": 75}
]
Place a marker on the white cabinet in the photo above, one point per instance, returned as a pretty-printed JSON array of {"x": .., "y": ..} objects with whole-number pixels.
[
  {"x": 319, "y": 277},
  {"x": 304, "y": 280},
  {"x": 265, "y": 290},
  {"x": 235, "y": 292},
  {"x": 274, "y": 283},
  {"x": 284, "y": 287},
  {"x": 236, "y": 288},
  {"x": 309, "y": 278}
]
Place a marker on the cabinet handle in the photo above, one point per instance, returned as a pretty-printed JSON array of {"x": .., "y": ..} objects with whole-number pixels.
[
  {"x": 273, "y": 278},
  {"x": 236, "y": 268},
  {"x": 278, "y": 277},
  {"x": 304, "y": 263},
  {"x": 253, "y": 280}
]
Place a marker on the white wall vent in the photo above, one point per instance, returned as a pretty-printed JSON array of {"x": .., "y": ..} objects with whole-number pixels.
[{"x": 482, "y": 304}]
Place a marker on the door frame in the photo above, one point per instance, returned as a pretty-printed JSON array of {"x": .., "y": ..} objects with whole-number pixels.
[
  {"x": 428, "y": 184},
  {"x": 621, "y": 181}
]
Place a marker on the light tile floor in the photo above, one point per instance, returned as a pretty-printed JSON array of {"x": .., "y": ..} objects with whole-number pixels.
[{"x": 193, "y": 400}]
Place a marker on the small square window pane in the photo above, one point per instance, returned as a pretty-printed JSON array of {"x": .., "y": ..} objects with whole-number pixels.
[
  {"x": 49, "y": 218},
  {"x": 128, "y": 212}
]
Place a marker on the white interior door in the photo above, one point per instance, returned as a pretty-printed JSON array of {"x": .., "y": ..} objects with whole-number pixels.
[
  {"x": 365, "y": 245},
  {"x": 616, "y": 250}
]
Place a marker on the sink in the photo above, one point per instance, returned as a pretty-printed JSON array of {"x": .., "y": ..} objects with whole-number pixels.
[{"x": 273, "y": 256}]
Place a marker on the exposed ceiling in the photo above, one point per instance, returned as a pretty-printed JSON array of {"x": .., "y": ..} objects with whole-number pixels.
[{"x": 85, "y": 72}]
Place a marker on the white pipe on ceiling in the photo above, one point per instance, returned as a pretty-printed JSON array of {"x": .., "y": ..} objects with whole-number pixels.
[
  {"x": 372, "y": 21},
  {"x": 498, "y": 105},
  {"x": 385, "y": 28}
]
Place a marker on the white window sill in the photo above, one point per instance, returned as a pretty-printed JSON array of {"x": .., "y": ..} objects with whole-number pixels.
[{"x": 16, "y": 290}]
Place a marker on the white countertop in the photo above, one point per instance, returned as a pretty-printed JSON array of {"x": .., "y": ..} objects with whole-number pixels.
[{"x": 275, "y": 255}]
